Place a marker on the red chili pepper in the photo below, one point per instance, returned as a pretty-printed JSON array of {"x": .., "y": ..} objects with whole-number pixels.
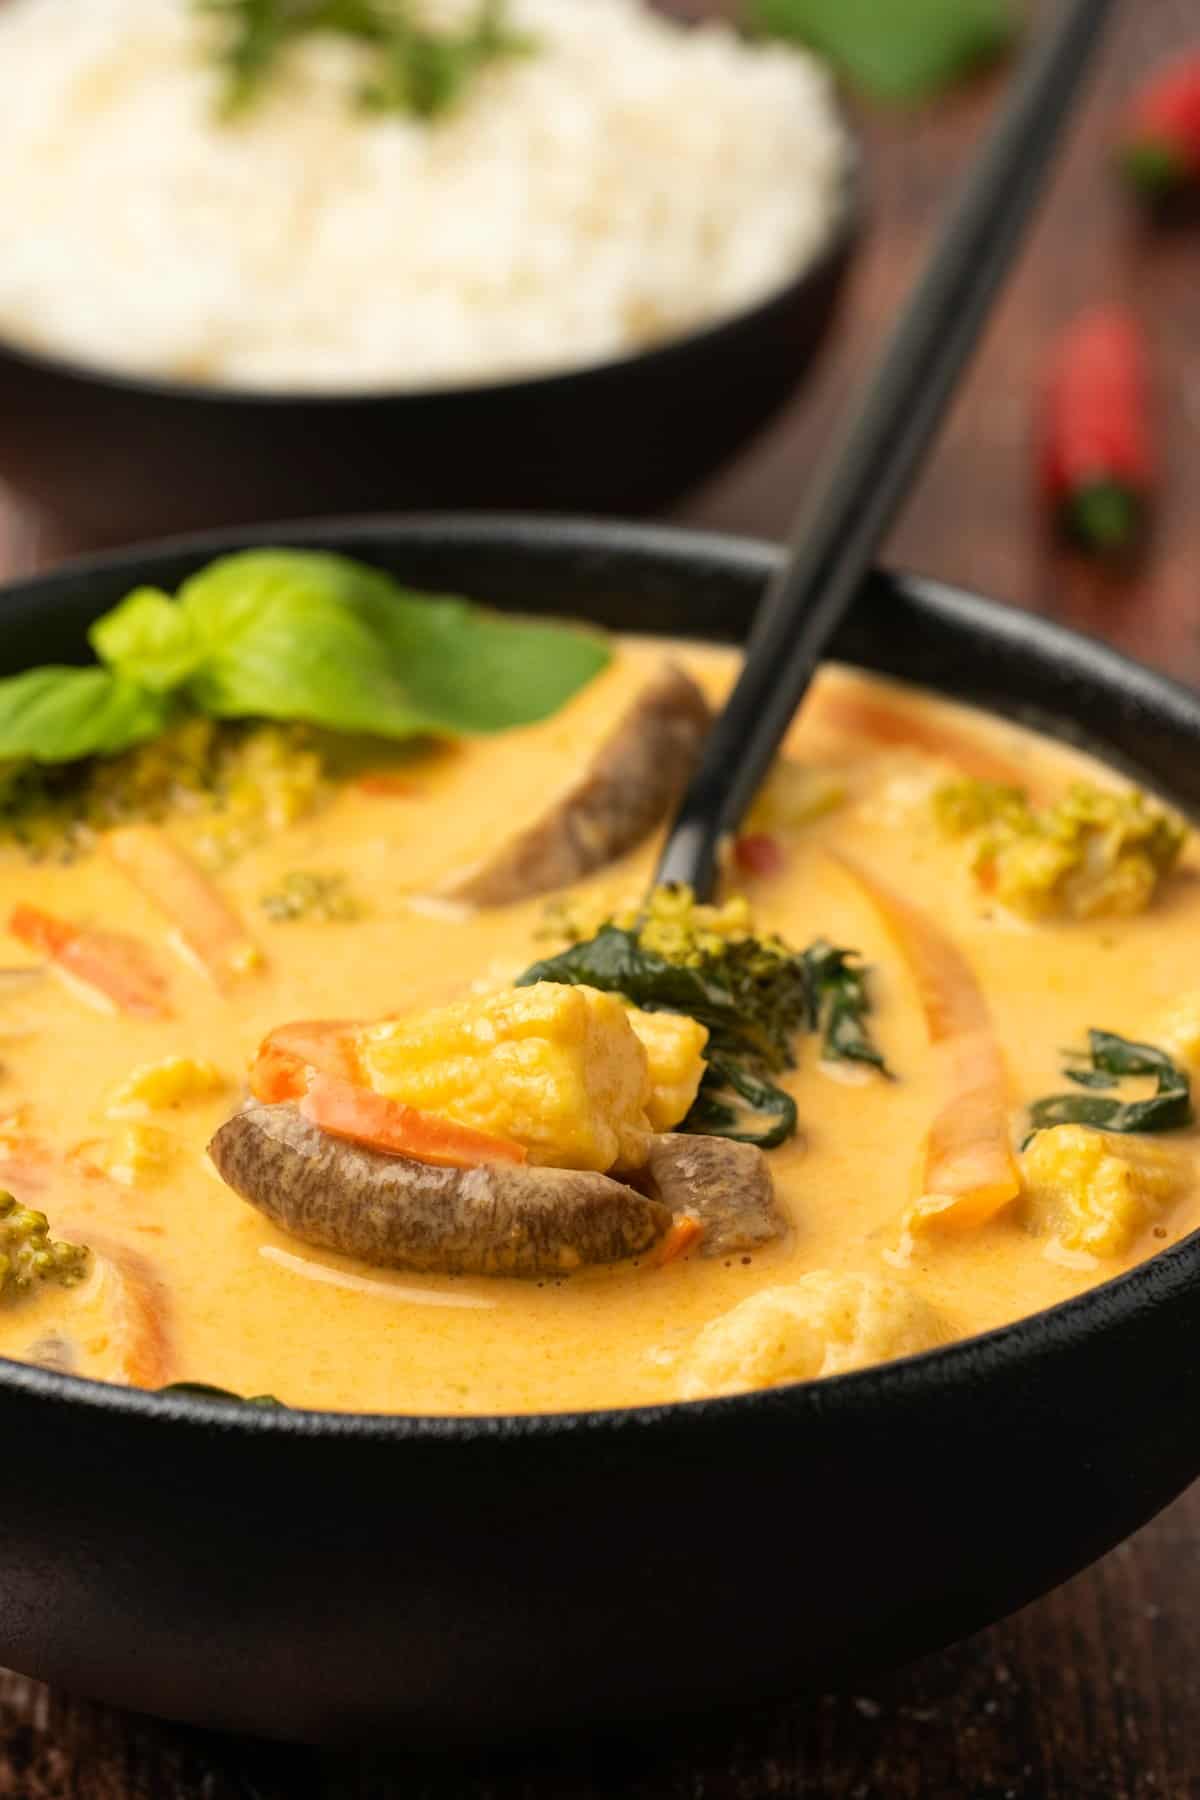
[
  {"x": 757, "y": 853},
  {"x": 1160, "y": 138},
  {"x": 1097, "y": 451}
]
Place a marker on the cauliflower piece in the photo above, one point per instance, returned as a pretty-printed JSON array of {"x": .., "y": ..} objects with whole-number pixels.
[
  {"x": 1179, "y": 1034},
  {"x": 1093, "y": 854},
  {"x": 133, "y": 1156},
  {"x": 173, "y": 1081},
  {"x": 823, "y": 1324},
  {"x": 560, "y": 1069},
  {"x": 674, "y": 1046},
  {"x": 1096, "y": 1190}
]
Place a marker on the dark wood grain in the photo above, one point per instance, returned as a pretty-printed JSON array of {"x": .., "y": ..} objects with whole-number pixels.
[{"x": 1091, "y": 1694}]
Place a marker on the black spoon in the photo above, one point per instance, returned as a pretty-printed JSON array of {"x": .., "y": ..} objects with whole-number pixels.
[{"x": 868, "y": 471}]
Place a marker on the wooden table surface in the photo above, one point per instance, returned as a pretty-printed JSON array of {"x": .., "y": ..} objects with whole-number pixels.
[{"x": 1091, "y": 1694}]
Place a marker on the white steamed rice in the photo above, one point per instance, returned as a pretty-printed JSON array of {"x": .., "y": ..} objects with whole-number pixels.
[{"x": 628, "y": 181}]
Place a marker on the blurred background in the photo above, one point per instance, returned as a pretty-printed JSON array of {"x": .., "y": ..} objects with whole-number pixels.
[{"x": 981, "y": 514}]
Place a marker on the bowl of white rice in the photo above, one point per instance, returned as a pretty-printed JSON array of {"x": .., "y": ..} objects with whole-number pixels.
[{"x": 582, "y": 280}]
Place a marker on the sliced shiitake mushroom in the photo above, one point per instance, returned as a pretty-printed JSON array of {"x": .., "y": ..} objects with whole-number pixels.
[
  {"x": 399, "y": 1213},
  {"x": 727, "y": 1186},
  {"x": 627, "y": 789}
]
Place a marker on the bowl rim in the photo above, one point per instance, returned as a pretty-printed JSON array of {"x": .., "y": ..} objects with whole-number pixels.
[
  {"x": 706, "y": 339},
  {"x": 1166, "y": 1276}
]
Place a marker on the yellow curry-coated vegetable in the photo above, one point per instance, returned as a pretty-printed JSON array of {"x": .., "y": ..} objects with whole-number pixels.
[
  {"x": 1096, "y": 853},
  {"x": 559, "y": 1069},
  {"x": 674, "y": 1046},
  {"x": 134, "y": 1155},
  {"x": 1179, "y": 1033},
  {"x": 1096, "y": 1190},
  {"x": 823, "y": 1324},
  {"x": 173, "y": 1081}
]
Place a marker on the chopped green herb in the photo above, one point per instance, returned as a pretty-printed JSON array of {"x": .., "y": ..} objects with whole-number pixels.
[
  {"x": 414, "y": 68},
  {"x": 1106, "y": 1061}
]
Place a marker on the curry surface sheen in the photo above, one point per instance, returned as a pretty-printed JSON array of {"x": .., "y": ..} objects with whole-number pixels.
[{"x": 241, "y": 1305}]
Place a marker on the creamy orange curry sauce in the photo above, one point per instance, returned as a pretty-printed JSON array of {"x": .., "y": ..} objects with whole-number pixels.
[{"x": 905, "y": 1222}]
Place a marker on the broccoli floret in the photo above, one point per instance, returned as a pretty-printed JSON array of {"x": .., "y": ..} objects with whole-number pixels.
[
  {"x": 307, "y": 894},
  {"x": 1095, "y": 852},
  {"x": 28, "y": 1254},
  {"x": 239, "y": 780}
]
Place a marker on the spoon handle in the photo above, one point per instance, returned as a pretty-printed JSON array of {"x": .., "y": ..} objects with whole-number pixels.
[{"x": 866, "y": 475}]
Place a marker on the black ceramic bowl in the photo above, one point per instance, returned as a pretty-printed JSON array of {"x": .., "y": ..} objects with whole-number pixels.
[
  {"x": 117, "y": 457},
  {"x": 436, "y": 1580}
]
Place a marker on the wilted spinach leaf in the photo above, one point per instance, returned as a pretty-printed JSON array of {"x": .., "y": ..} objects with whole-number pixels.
[{"x": 1108, "y": 1059}]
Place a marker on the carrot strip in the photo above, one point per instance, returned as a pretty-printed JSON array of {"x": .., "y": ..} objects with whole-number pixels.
[
  {"x": 365, "y": 1117},
  {"x": 384, "y": 783},
  {"x": 684, "y": 1232},
  {"x": 288, "y": 1055},
  {"x": 967, "y": 1171},
  {"x": 843, "y": 706},
  {"x": 207, "y": 925},
  {"x": 109, "y": 962},
  {"x": 139, "y": 1310}
]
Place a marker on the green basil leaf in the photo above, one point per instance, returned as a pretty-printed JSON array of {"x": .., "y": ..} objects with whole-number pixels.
[
  {"x": 53, "y": 715},
  {"x": 283, "y": 640},
  {"x": 899, "y": 50},
  {"x": 148, "y": 638},
  {"x": 481, "y": 671},
  {"x": 293, "y": 634}
]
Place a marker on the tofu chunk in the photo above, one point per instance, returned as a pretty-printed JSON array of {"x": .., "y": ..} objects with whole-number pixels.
[{"x": 559, "y": 1069}]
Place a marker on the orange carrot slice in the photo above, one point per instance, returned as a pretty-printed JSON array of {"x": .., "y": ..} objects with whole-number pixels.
[
  {"x": 108, "y": 962},
  {"x": 683, "y": 1233},
  {"x": 206, "y": 924},
  {"x": 120, "y": 1324},
  {"x": 289, "y": 1054},
  {"x": 844, "y": 706},
  {"x": 967, "y": 1170},
  {"x": 358, "y": 1113}
]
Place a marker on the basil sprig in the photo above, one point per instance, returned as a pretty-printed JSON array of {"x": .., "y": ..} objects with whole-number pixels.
[
  {"x": 1106, "y": 1061},
  {"x": 295, "y": 635}
]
